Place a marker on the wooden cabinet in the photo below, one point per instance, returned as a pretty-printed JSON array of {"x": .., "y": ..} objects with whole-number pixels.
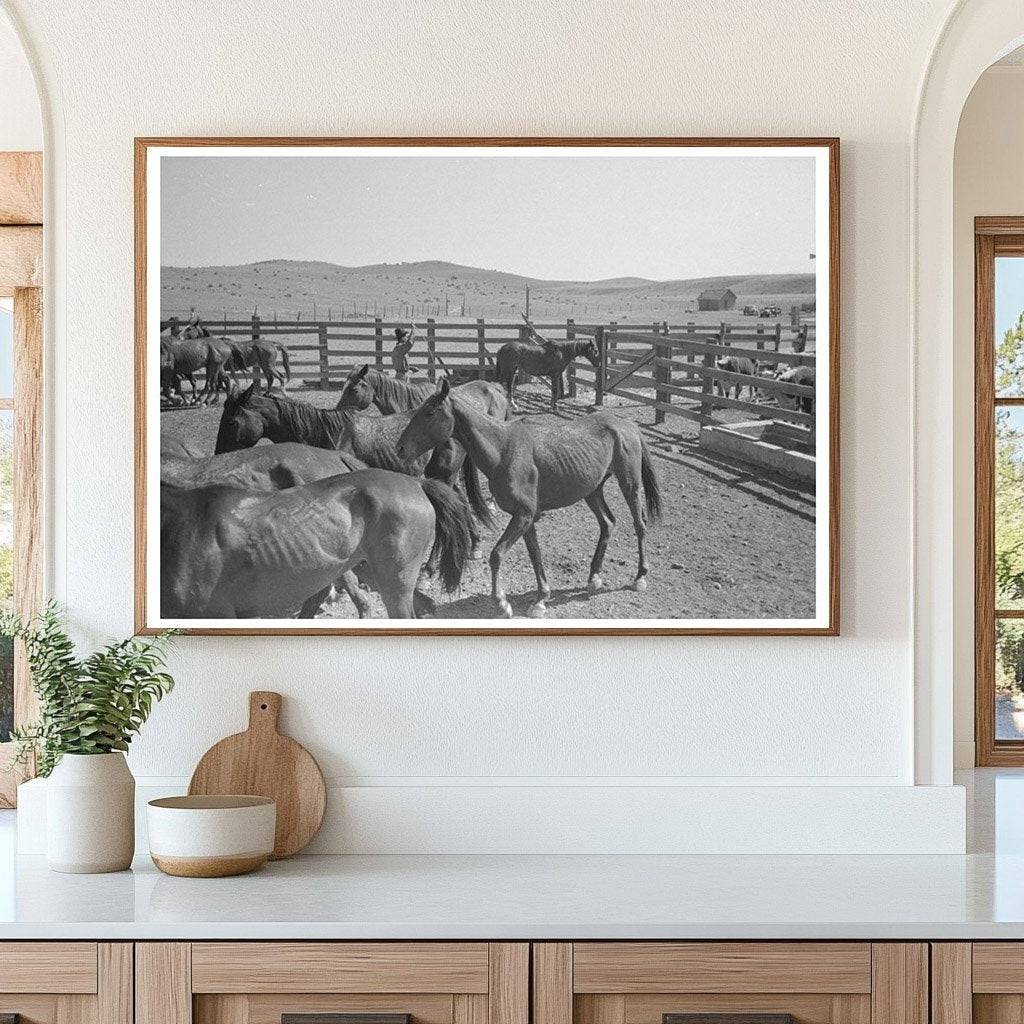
[
  {"x": 979, "y": 982},
  {"x": 66, "y": 982},
  {"x": 815, "y": 982},
  {"x": 259, "y": 982}
]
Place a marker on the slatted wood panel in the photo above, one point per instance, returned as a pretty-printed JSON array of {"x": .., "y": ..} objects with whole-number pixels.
[
  {"x": 508, "y": 989},
  {"x": 806, "y": 1008},
  {"x": 340, "y": 967},
  {"x": 163, "y": 983},
  {"x": 899, "y": 989},
  {"x": 115, "y": 992},
  {"x": 32, "y": 967},
  {"x": 552, "y": 983},
  {"x": 951, "y": 982},
  {"x": 634, "y": 967}
]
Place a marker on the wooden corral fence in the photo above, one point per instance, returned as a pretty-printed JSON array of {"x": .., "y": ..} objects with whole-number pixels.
[
  {"x": 675, "y": 361},
  {"x": 678, "y": 364}
]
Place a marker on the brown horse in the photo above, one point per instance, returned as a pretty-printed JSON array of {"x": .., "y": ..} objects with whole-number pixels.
[
  {"x": 533, "y": 467},
  {"x": 365, "y": 387},
  {"x": 542, "y": 358},
  {"x": 267, "y": 467},
  {"x": 230, "y": 553}
]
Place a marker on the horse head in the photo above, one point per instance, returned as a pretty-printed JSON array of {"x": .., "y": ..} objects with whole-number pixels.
[
  {"x": 241, "y": 426},
  {"x": 358, "y": 391},
  {"x": 591, "y": 354},
  {"x": 431, "y": 425}
]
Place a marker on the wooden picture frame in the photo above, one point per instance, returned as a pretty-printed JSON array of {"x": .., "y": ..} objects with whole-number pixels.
[
  {"x": 825, "y": 622},
  {"x": 993, "y": 237}
]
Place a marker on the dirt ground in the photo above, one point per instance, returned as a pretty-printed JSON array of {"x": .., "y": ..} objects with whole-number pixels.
[{"x": 733, "y": 542}]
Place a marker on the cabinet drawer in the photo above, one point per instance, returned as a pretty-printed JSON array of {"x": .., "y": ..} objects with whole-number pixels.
[
  {"x": 48, "y": 967},
  {"x": 262, "y": 982},
  {"x": 630, "y": 967},
  {"x": 734, "y": 982},
  {"x": 340, "y": 967},
  {"x": 66, "y": 982}
]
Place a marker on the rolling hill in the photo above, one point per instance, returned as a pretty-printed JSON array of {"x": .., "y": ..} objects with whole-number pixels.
[{"x": 436, "y": 288}]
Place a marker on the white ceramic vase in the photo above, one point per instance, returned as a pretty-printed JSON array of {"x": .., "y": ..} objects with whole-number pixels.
[{"x": 90, "y": 814}]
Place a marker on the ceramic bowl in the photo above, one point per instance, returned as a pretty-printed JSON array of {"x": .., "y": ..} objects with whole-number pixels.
[{"x": 211, "y": 836}]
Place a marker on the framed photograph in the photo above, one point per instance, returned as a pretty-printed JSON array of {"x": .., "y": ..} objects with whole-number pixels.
[{"x": 487, "y": 386}]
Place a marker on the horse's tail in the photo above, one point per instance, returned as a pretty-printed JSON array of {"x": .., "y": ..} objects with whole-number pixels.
[
  {"x": 286, "y": 362},
  {"x": 652, "y": 492},
  {"x": 453, "y": 538},
  {"x": 471, "y": 481}
]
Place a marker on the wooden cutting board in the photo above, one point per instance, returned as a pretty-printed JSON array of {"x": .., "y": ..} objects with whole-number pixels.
[{"x": 262, "y": 762}]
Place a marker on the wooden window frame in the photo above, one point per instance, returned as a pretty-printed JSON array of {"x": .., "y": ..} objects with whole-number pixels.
[{"x": 21, "y": 269}]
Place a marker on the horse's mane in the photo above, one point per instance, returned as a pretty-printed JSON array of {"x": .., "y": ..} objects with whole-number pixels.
[
  {"x": 308, "y": 421},
  {"x": 399, "y": 395}
]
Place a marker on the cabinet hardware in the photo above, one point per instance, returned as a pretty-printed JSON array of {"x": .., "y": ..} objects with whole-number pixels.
[
  {"x": 728, "y": 1018},
  {"x": 339, "y": 1018}
]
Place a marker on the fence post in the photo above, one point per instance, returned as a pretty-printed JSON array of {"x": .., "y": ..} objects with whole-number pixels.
[
  {"x": 662, "y": 373},
  {"x": 602, "y": 369},
  {"x": 481, "y": 349},
  {"x": 778, "y": 335},
  {"x": 325, "y": 366},
  {"x": 378, "y": 344},
  {"x": 760, "y": 338},
  {"x": 431, "y": 354},
  {"x": 800, "y": 341},
  {"x": 255, "y": 328},
  {"x": 570, "y": 373}
]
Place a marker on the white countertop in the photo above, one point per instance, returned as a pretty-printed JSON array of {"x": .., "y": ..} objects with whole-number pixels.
[
  {"x": 532, "y": 897},
  {"x": 978, "y": 896}
]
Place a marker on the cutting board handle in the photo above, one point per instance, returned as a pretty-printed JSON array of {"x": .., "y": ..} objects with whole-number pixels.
[{"x": 264, "y": 710}]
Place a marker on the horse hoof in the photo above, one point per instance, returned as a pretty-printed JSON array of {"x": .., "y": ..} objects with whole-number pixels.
[
  {"x": 538, "y": 610},
  {"x": 595, "y": 584},
  {"x": 476, "y": 554},
  {"x": 640, "y": 583}
]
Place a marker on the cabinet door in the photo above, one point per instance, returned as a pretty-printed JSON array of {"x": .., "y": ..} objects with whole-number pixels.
[
  {"x": 736, "y": 982},
  {"x": 332, "y": 983},
  {"x": 66, "y": 982},
  {"x": 981, "y": 982}
]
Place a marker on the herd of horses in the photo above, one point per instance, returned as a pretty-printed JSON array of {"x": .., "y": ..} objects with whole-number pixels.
[{"x": 349, "y": 498}]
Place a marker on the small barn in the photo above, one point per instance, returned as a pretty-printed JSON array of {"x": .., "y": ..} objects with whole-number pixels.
[{"x": 716, "y": 298}]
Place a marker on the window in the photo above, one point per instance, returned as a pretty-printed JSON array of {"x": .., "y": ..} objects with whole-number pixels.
[{"x": 999, "y": 490}]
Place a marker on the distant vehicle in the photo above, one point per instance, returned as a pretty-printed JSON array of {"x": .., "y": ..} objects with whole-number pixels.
[
  {"x": 750, "y": 310},
  {"x": 765, "y": 313}
]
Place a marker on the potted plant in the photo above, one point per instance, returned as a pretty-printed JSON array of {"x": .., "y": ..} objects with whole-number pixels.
[{"x": 89, "y": 709}]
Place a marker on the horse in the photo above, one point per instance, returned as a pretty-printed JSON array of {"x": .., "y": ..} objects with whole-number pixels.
[
  {"x": 267, "y": 467},
  {"x": 249, "y": 417},
  {"x": 365, "y": 387},
  {"x": 257, "y": 354},
  {"x": 183, "y": 357},
  {"x": 534, "y": 467},
  {"x": 231, "y": 553},
  {"x": 260, "y": 355},
  {"x": 542, "y": 358}
]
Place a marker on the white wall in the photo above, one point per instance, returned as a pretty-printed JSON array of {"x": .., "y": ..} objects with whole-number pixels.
[
  {"x": 988, "y": 181},
  {"x": 21, "y": 125},
  {"x": 442, "y": 714}
]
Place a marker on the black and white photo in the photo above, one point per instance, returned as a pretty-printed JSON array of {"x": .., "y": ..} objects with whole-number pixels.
[{"x": 471, "y": 386}]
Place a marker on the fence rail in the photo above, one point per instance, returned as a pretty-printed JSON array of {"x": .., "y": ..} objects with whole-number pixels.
[{"x": 674, "y": 361}]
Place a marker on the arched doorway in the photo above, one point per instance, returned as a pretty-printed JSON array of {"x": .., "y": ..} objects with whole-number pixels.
[{"x": 976, "y": 33}]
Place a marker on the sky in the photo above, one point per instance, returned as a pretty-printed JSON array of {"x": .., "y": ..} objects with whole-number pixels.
[
  {"x": 543, "y": 215},
  {"x": 1009, "y": 293}
]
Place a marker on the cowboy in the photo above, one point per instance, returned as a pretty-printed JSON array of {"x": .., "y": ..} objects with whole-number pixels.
[{"x": 400, "y": 353}]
